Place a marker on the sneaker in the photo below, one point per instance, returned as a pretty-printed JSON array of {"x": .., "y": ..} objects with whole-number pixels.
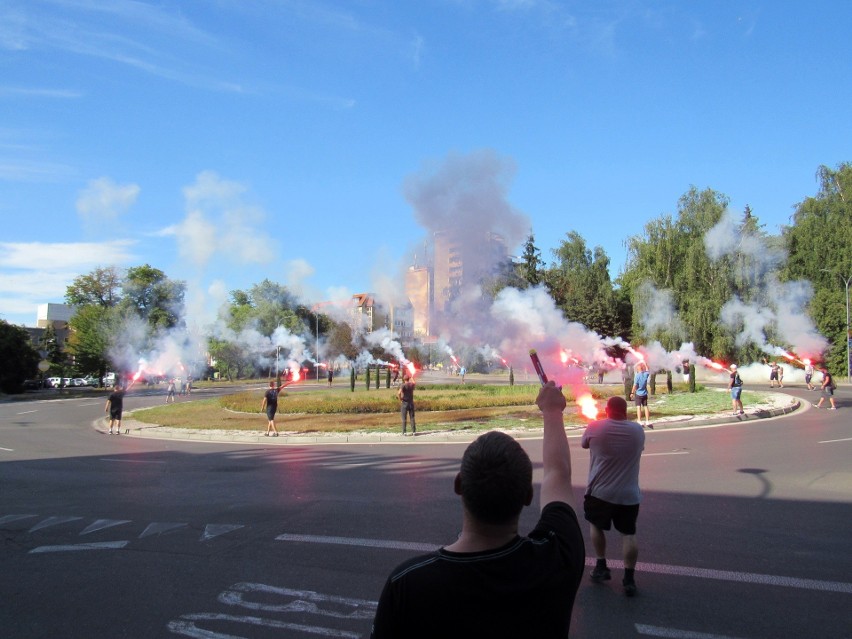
[
  {"x": 629, "y": 588},
  {"x": 833, "y": 408},
  {"x": 110, "y": 431},
  {"x": 601, "y": 573}
]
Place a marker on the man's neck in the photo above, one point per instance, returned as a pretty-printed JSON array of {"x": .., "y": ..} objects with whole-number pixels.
[{"x": 478, "y": 537}]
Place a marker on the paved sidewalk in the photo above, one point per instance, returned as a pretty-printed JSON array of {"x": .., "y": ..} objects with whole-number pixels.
[{"x": 776, "y": 404}]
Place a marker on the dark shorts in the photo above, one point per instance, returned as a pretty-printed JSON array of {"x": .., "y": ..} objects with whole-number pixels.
[
  {"x": 736, "y": 391},
  {"x": 270, "y": 412},
  {"x": 115, "y": 414},
  {"x": 808, "y": 379},
  {"x": 641, "y": 400},
  {"x": 603, "y": 514},
  {"x": 828, "y": 391},
  {"x": 773, "y": 375}
]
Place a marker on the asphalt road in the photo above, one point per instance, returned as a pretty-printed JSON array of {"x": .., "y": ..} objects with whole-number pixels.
[{"x": 744, "y": 530}]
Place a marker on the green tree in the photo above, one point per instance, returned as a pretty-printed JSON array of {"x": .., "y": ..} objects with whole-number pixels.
[
  {"x": 102, "y": 287},
  {"x": 93, "y": 328},
  {"x": 819, "y": 246},
  {"x": 531, "y": 263},
  {"x": 153, "y": 297},
  {"x": 20, "y": 359},
  {"x": 580, "y": 285}
]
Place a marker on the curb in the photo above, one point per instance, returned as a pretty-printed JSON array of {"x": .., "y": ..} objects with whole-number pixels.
[{"x": 133, "y": 428}]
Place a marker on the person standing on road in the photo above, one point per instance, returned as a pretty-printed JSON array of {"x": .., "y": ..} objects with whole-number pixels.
[
  {"x": 639, "y": 393},
  {"x": 406, "y": 406},
  {"x": 612, "y": 497},
  {"x": 270, "y": 405},
  {"x": 827, "y": 388},
  {"x": 492, "y": 582},
  {"x": 170, "y": 392},
  {"x": 736, "y": 388},
  {"x": 809, "y": 374},
  {"x": 114, "y": 406}
]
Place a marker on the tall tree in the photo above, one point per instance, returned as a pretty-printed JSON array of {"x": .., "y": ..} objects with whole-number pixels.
[
  {"x": 20, "y": 359},
  {"x": 101, "y": 287},
  {"x": 531, "y": 263},
  {"x": 154, "y": 297},
  {"x": 819, "y": 245},
  {"x": 580, "y": 285},
  {"x": 93, "y": 328}
]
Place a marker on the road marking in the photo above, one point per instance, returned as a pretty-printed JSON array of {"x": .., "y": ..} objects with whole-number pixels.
[
  {"x": 672, "y": 633},
  {"x": 101, "y": 545},
  {"x": 354, "y": 541},
  {"x": 27, "y": 412},
  {"x": 298, "y": 601},
  {"x": 660, "y": 569},
  {"x": 52, "y": 521},
  {"x": 214, "y": 530},
  {"x": 10, "y": 518},
  {"x": 159, "y": 528},
  {"x": 187, "y": 628},
  {"x": 674, "y": 452},
  {"x": 11, "y": 450},
  {"x": 133, "y": 461},
  {"x": 832, "y": 441},
  {"x": 102, "y": 524}
]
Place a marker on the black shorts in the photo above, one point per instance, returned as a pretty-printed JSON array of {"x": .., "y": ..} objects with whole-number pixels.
[
  {"x": 603, "y": 514},
  {"x": 270, "y": 412},
  {"x": 115, "y": 414},
  {"x": 641, "y": 400}
]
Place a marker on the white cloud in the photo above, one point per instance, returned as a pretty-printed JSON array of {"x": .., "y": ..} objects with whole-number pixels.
[{"x": 103, "y": 201}]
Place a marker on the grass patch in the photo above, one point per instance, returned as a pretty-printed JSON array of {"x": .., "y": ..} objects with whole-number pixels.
[{"x": 439, "y": 408}]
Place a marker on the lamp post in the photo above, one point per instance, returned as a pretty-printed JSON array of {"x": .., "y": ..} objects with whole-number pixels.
[{"x": 846, "y": 281}]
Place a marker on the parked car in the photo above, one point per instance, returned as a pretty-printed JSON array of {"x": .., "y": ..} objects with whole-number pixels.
[
  {"x": 54, "y": 382},
  {"x": 33, "y": 384},
  {"x": 90, "y": 380},
  {"x": 77, "y": 381}
]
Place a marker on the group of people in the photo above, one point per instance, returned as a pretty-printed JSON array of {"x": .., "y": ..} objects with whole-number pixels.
[{"x": 494, "y": 582}]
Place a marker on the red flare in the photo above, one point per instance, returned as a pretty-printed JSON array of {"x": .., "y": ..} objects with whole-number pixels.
[
  {"x": 588, "y": 406},
  {"x": 412, "y": 369}
]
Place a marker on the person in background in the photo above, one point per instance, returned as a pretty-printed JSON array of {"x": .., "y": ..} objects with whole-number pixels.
[
  {"x": 809, "y": 374},
  {"x": 639, "y": 394},
  {"x": 114, "y": 406},
  {"x": 735, "y": 385},
  {"x": 612, "y": 498},
  {"x": 170, "y": 392},
  {"x": 491, "y": 581},
  {"x": 405, "y": 394},
  {"x": 827, "y": 388}
]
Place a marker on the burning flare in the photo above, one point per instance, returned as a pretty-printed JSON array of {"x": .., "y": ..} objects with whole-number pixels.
[{"x": 588, "y": 406}]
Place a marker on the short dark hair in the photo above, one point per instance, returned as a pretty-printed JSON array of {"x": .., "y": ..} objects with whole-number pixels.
[
  {"x": 495, "y": 480},
  {"x": 616, "y": 406}
]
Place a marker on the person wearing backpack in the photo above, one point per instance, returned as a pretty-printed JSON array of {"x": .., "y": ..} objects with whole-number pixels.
[
  {"x": 828, "y": 387},
  {"x": 736, "y": 386}
]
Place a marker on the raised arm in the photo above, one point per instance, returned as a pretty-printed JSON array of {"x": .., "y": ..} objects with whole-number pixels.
[{"x": 556, "y": 483}]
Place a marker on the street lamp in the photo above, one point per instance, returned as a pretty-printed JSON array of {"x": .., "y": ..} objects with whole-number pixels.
[{"x": 846, "y": 281}]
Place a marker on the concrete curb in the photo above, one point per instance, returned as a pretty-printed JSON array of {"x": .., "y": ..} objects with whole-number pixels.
[{"x": 133, "y": 428}]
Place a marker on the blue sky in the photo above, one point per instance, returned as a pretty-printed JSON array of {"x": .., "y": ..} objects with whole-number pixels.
[{"x": 229, "y": 141}]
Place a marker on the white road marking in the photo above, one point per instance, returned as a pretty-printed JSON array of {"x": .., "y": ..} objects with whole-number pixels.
[
  {"x": 674, "y": 452},
  {"x": 354, "y": 541},
  {"x": 299, "y": 601},
  {"x": 10, "y": 518},
  {"x": 214, "y": 530},
  {"x": 133, "y": 461},
  {"x": 187, "y": 628},
  {"x": 158, "y": 528},
  {"x": 102, "y": 545},
  {"x": 27, "y": 412},
  {"x": 832, "y": 441},
  {"x": 11, "y": 450},
  {"x": 672, "y": 633},
  {"x": 52, "y": 521},
  {"x": 102, "y": 524},
  {"x": 661, "y": 569}
]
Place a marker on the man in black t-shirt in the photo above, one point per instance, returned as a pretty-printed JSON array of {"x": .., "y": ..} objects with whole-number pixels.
[
  {"x": 270, "y": 405},
  {"x": 115, "y": 405},
  {"x": 492, "y": 582},
  {"x": 406, "y": 406}
]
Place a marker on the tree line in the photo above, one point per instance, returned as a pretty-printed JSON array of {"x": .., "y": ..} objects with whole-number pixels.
[{"x": 671, "y": 271}]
